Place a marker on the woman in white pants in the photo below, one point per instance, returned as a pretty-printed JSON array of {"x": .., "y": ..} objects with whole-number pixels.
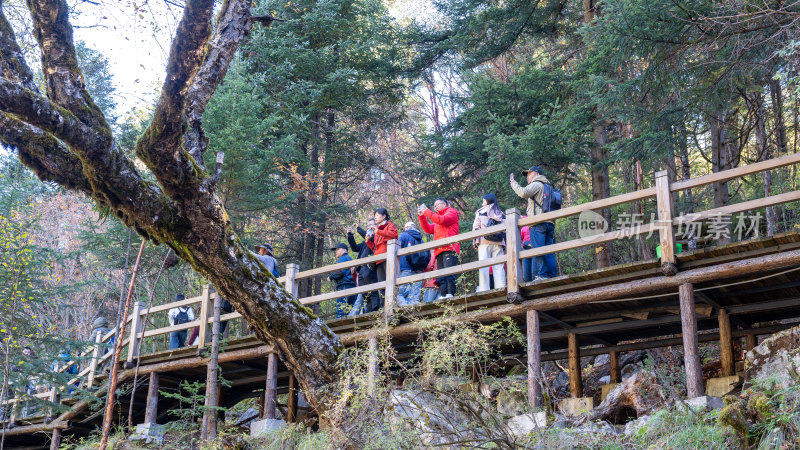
[{"x": 492, "y": 245}]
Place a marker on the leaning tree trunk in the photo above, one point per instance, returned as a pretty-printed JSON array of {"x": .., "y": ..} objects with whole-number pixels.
[{"x": 64, "y": 138}]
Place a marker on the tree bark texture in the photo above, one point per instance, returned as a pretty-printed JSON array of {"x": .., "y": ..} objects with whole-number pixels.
[
  {"x": 764, "y": 154},
  {"x": 209, "y": 430},
  {"x": 63, "y": 137},
  {"x": 720, "y": 160}
]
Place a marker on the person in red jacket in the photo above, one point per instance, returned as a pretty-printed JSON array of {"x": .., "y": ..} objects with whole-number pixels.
[
  {"x": 385, "y": 231},
  {"x": 443, "y": 223}
]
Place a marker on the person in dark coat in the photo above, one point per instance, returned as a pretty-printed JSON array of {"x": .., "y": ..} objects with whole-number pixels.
[
  {"x": 344, "y": 280},
  {"x": 364, "y": 274},
  {"x": 408, "y": 294}
]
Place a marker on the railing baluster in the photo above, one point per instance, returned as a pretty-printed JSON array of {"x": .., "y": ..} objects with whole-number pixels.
[
  {"x": 291, "y": 283},
  {"x": 513, "y": 264},
  {"x": 392, "y": 265},
  {"x": 665, "y": 233},
  {"x": 205, "y": 312},
  {"x": 95, "y": 356},
  {"x": 136, "y": 331}
]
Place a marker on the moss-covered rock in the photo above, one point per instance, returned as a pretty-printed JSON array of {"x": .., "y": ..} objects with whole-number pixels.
[{"x": 733, "y": 417}]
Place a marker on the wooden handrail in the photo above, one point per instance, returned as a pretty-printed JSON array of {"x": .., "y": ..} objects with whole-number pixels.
[
  {"x": 736, "y": 172},
  {"x": 339, "y": 266},
  {"x": 470, "y": 235},
  {"x": 738, "y": 207},
  {"x": 466, "y": 267},
  {"x": 597, "y": 239},
  {"x": 343, "y": 293},
  {"x": 591, "y": 206}
]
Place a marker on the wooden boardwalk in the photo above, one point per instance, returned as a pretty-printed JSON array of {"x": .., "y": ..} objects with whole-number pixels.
[{"x": 720, "y": 293}]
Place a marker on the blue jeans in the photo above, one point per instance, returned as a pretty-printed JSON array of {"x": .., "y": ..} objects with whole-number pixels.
[
  {"x": 358, "y": 306},
  {"x": 345, "y": 304},
  {"x": 431, "y": 294},
  {"x": 408, "y": 294},
  {"x": 545, "y": 265},
  {"x": 527, "y": 269},
  {"x": 177, "y": 339}
]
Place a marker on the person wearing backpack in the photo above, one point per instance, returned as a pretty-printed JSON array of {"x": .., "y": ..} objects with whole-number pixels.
[
  {"x": 363, "y": 274},
  {"x": 177, "y": 316},
  {"x": 408, "y": 294},
  {"x": 491, "y": 246},
  {"x": 343, "y": 280},
  {"x": 542, "y": 198}
]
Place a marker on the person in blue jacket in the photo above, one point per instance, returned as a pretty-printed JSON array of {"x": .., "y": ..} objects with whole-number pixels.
[
  {"x": 408, "y": 294},
  {"x": 344, "y": 280}
]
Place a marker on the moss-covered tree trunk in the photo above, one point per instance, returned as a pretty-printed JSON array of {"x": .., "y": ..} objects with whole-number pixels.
[{"x": 64, "y": 138}]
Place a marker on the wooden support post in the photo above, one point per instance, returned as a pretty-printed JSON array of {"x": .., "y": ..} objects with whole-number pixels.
[
  {"x": 534, "y": 359},
  {"x": 575, "y": 384},
  {"x": 513, "y": 247},
  {"x": 151, "y": 410},
  {"x": 291, "y": 283},
  {"x": 751, "y": 340},
  {"x": 725, "y": 344},
  {"x": 271, "y": 390},
  {"x": 691, "y": 354},
  {"x": 55, "y": 440},
  {"x": 615, "y": 375},
  {"x": 98, "y": 340},
  {"x": 137, "y": 325},
  {"x": 372, "y": 368},
  {"x": 291, "y": 413},
  {"x": 392, "y": 270},
  {"x": 665, "y": 234}
]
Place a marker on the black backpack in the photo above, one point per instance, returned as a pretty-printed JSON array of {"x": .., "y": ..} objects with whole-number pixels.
[
  {"x": 419, "y": 261},
  {"x": 551, "y": 198},
  {"x": 497, "y": 237},
  {"x": 182, "y": 316}
]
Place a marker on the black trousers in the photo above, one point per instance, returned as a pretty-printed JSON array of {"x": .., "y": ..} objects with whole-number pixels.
[
  {"x": 447, "y": 284},
  {"x": 375, "y": 300}
]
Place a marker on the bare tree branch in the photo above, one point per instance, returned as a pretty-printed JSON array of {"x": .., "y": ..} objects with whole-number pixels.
[
  {"x": 233, "y": 23},
  {"x": 160, "y": 147}
]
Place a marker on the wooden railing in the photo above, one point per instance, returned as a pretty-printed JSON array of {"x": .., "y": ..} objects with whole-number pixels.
[{"x": 662, "y": 192}]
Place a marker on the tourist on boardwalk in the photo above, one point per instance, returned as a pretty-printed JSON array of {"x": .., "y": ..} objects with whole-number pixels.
[
  {"x": 177, "y": 316},
  {"x": 364, "y": 273},
  {"x": 408, "y": 294},
  {"x": 493, "y": 245},
  {"x": 541, "y": 233},
  {"x": 443, "y": 223},
  {"x": 100, "y": 325},
  {"x": 385, "y": 231},
  {"x": 264, "y": 252},
  {"x": 344, "y": 280}
]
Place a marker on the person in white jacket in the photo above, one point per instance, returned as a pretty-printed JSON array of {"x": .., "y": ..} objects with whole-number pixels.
[
  {"x": 177, "y": 316},
  {"x": 491, "y": 246}
]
